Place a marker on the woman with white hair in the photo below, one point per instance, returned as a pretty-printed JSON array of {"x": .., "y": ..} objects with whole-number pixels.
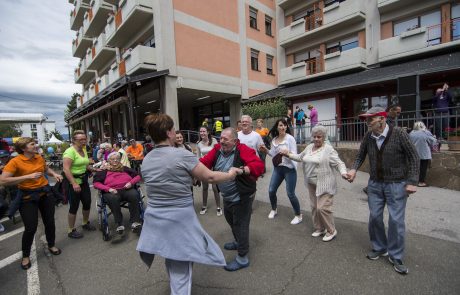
[
  {"x": 319, "y": 160},
  {"x": 422, "y": 139},
  {"x": 117, "y": 184}
]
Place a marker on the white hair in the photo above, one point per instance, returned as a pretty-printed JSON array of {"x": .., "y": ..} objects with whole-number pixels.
[
  {"x": 117, "y": 154},
  {"x": 419, "y": 126},
  {"x": 246, "y": 117},
  {"x": 319, "y": 129}
]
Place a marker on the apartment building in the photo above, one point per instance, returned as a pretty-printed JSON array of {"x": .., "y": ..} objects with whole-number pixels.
[
  {"x": 190, "y": 59},
  {"x": 35, "y": 125},
  {"x": 344, "y": 56}
]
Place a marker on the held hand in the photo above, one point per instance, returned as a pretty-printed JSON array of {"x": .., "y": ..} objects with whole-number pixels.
[
  {"x": 58, "y": 177},
  {"x": 235, "y": 171},
  {"x": 128, "y": 185},
  {"x": 410, "y": 189},
  {"x": 351, "y": 175},
  {"x": 345, "y": 176},
  {"x": 35, "y": 175},
  {"x": 284, "y": 151},
  {"x": 263, "y": 149},
  {"x": 113, "y": 191},
  {"x": 76, "y": 187}
]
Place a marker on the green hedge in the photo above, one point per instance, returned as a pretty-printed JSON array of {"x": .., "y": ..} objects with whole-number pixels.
[{"x": 275, "y": 107}]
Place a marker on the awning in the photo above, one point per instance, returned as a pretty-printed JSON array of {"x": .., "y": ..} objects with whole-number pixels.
[
  {"x": 441, "y": 63},
  {"x": 120, "y": 100}
]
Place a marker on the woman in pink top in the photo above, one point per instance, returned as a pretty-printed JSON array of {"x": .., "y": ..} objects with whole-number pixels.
[{"x": 116, "y": 182}]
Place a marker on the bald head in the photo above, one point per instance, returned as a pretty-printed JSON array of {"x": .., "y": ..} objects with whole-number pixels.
[{"x": 228, "y": 139}]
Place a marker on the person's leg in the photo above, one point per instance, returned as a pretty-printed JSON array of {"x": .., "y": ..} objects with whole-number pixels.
[
  {"x": 290, "y": 175},
  {"x": 229, "y": 214},
  {"x": 396, "y": 203},
  {"x": 74, "y": 203},
  {"x": 376, "y": 202},
  {"x": 216, "y": 195},
  {"x": 438, "y": 125},
  {"x": 325, "y": 213},
  {"x": 86, "y": 205},
  {"x": 275, "y": 182},
  {"x": 314, "y": 207},
  {"x": 423, "y": 169},
  {"x": 113, "y": 201},
  {"x": 46, "y": 206},
  {"x": 29, "y": 216},
  {"x": 180, "y": 276},
  {"x": 242, "y": 219},
  {"x": 205, "y": 186},
  {"x": 131, "y": 196},
  {"x": 297, "y": 134}
]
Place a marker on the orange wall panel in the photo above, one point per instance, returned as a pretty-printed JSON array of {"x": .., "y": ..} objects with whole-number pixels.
[
  {"x": 289, "y": 60},
  {"x": 362, "y": 39},
  {"x": 269, "y": 3},
  {"x": 223, "y": 13},
  {"x": 253, "y": 92},
  {"x": 203, "y": 51},
  {"x": 446, "y": 23},
  {"x": 259, "y": 34},
  {"x": 386, "y": 30},
  {"x": 261, "y": 75}
]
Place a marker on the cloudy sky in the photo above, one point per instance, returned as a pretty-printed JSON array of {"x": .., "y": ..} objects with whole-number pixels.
[{"x": 36, "y": 63}]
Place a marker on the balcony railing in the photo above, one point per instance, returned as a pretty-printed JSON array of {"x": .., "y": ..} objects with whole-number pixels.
[
  {"x": 77, "y": 14},
  {"x": 345, "y": 60},
  {"x": 82, "y": 75},
  {"x": 80, "y": 44},
  {"x": 140, "y": 59},
  {"x": 95, "y": 18},
  {"x": 302, "y": 70},
  {"x": 114, "y": 74},
  {"x": 101, "y": 53}
]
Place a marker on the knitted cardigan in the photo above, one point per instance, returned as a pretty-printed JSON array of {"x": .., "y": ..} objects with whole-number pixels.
[
  {"x": 327, "y": 182},
  {"x": 396, "y": 161}
]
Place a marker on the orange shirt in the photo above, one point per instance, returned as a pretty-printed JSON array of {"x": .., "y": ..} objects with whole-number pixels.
[
  {"x": 137, "y": 152},
  {"x": 262, "y": 132},
  {"x": 21, "y": 165}
]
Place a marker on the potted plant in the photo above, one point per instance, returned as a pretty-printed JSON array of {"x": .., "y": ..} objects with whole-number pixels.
[{"x": 453, "y": 137}]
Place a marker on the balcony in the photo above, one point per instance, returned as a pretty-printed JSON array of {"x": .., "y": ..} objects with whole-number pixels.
[
  {"x": 386, "y": 6},
  {"x": 102, "y": 83},
  {"x": 80, "y": 44},
  {"x": 114, "y": 73},
  {"x": 95, "y": 18},
  {"x": 417, "y": 41},
  {"x": 101, "y": 54},
  {"x": 77, "y": 14},
  {"x": 345, "y": 60},
  {"x": 323, "y": 22},
  {"x": 93, "y": 91},
  {"x": 302, "y": 70},
  {"x": 132, "y": 16},
  {"x": 286, "y": 4},
  {"x": 82, "y": 75},
  {"x": 139, "y": 60}
]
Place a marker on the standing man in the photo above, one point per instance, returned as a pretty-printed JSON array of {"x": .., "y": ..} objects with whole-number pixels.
[
  {"x": 205, "y": 122},
  {"x": 299, "y": 116},
  {"x": 238, "y": 194},
  {"x": 394, "y": 166},
  {"x": 288, "y": 118},
  {"x": 394, "y": 111},
  {"x": 217, "y": 128},
  {"x": 135, "y": 153},
  {"x": 313, "y": 116},
  {"x": 247, "y": 136},
  {"x": 441, "y": 103}
]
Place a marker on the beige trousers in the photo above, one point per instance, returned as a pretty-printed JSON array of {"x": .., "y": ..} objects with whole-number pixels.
[{"x": 321, "y": 210}]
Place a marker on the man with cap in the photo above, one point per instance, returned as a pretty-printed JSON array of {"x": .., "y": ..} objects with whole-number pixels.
[{"x": 394, "y": 166}]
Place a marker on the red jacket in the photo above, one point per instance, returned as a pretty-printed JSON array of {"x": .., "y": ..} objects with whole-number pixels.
[{"x": 247, "y": 156}]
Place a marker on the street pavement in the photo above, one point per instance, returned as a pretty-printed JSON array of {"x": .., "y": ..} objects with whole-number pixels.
[{"x": 284, "y": 258}]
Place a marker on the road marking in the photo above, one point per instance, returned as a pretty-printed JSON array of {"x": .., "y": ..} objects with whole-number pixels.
[
  {"x": 33, "y": 282},
  {"x": 11, "y": 233},
  {"x": 7, "y": 261}
]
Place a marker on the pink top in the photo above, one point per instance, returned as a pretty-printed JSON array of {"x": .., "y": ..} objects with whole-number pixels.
[
  {"x": 313, "y": 116},
  {"x": 116, "y": 180}
]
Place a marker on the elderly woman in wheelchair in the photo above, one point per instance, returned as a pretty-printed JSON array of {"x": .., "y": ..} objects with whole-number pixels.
[{"x": 117, "y": 184}]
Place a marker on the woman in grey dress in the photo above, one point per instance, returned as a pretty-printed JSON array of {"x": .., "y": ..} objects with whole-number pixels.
[{"x": 171, "y": 228}]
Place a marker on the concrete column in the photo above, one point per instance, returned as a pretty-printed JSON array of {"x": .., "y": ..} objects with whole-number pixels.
[
  {"x": 168, "y": 94},
  {"x": 163, "y": 19},
  {"x": 235, "y": 110}
]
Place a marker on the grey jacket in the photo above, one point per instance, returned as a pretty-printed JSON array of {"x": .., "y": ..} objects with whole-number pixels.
[
  {"x": 422, "y": 140},
  {"x": 396, "y": 161}
]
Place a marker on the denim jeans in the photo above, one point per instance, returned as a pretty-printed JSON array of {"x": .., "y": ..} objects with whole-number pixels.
[
  {"x": 300, "y": 133},
  {"x": 441, "y": 122},
  {"x": 279, "y": 174},
  {"x": 394, "y": 195}
]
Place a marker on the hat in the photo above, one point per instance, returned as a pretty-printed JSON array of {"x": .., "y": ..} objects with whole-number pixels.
[
  {"x": 373, "y": 112},
  {"x": 4, "y": 154}
]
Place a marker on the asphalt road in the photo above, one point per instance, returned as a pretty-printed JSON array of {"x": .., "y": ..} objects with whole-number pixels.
[{"x": 284, "y": 258}]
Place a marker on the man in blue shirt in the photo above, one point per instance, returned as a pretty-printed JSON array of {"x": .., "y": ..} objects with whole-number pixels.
[{"x": 441, "y": 103}]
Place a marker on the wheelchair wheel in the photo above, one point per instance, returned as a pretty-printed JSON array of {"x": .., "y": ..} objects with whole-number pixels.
[
  {"x": 105, "y": 232},
  {"x": 99, "y": 219}
]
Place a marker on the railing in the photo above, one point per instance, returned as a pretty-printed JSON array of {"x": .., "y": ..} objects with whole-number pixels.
[
  {"x": 314, "y": 21},
  {"x": 434, "y": 33},
  {"x": 315, "y": 65}
]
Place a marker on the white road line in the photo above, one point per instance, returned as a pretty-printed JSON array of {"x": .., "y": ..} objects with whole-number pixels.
[
  {"x": 11, "y": 233},
  {"x": 10, "y": 259},
  {"x": 33, "y": 282}
]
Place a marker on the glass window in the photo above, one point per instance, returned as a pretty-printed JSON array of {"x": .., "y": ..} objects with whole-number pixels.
[
  {"x": 253, "y": 18},
  {"x": 300, "y": 14},
  {"x": 254, "y": 60},
  {"x": 332, "y": 47},
  {"x": 432, "y": 22},
  {"x": 269, "y": 64},
  {"x": 456, "y": 22},
  {"x": 404, "y": 26},
  {"x": 349, "y": 43},
  {"x": 301, "y": 56},
  {"x": 380, "y": 101},
  {"x": 268, "y": 25}
]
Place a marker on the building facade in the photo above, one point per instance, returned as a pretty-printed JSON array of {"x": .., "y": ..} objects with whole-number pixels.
[
  {"x": 190, "y": 59},
  {"x": 33, "y": 125}
]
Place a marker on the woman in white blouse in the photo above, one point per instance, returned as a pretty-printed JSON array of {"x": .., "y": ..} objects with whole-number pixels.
[
  {"x": 284, "y": 168},
  {"x": 318, "y": 161},
  {"x": 204, "y": 145}
]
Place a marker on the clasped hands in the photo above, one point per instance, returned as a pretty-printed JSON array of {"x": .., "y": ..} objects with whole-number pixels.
[{"x": 127, "y": 186}]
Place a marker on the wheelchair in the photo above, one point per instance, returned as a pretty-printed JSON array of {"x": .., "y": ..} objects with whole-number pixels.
[{"x": 103, "y": 211}]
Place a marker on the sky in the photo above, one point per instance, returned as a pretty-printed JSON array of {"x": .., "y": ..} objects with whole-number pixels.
[{"x": 36, "y": 62}]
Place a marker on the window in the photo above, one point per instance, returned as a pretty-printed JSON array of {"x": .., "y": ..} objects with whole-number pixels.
[
  {"x": 302, "y": 14},
  {"x": 430, "y": 20},
  {"x": 253, "y": 18},
  {"x": 268, "y": 25},
  {"x": 456, "y": 22},
  {"x": 254, "y": 60},
  {"x": 269, "y": 64},
  {"x": 34, "y": 134},
  {"x": 343, "y": 45},
  {"x": 150, "y": 42},
  {"x": 33, "y": 126},
  {"x": 330, "y": 2}
]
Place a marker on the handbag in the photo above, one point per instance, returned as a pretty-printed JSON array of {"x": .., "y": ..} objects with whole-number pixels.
[{"x": 277, "y": 160}]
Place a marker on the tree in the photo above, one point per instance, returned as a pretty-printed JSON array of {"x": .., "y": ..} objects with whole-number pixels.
[
  {"x": 71, "y": 105},
  {"x": 10, "y": 130}
]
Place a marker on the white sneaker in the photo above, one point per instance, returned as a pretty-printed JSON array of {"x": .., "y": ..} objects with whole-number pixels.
[
  {"x": 203, "y": 210},
  {"x": 120, "y": 229},
  {"x": 219, "y": 212},
  {"x": 328, "y": 237},
  {"x": 318, "y": 233},
  {"x": 135, "y": 226},
  {"x": 272, "y": 214},
  {"x": 297, "y": 219}
]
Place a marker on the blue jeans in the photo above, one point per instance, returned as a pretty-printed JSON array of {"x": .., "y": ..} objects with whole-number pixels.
[
  {"x": 394, "y": 195},
  {"x": 300, "y": 133},
  {"x": 279, "y": 174},
  {"x": 441, "y": 122}
]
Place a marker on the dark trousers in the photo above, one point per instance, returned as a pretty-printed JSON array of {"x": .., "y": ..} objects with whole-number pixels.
[
  {"x": 238, "y": 216},
  {"x": 29, "y": 214},
  {"x": 84, "y": 196},
  {"x": 113, "y": 200},
  {"x": 423, "y": 169}
]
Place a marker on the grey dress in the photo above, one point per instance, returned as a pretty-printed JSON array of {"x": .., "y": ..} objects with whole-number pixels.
[{"x": 171, "y": 228}]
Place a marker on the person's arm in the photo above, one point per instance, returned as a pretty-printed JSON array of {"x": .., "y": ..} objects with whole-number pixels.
[
  {"x": 7, "y": 178},
  {"x": 202, "y": 173},
  {"x": 253, "y": 165},
  {"x": 54, "y": 174},
  {"x": 66, "y": 164},
  {"x": 335, "y": 161},
  {"x": 295, "y": 157},
  {"x": 413, "y": 160},
  {"x": 359, "y": 158}
]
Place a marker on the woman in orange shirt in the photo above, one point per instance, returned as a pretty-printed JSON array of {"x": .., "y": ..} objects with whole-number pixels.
[
  {"x": 263, "y": 132},
  {"x": 27, "y": 170}
]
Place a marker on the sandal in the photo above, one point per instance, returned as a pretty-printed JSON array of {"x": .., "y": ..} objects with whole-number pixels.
[
  {"x": 26, "y": 266},
  {"x": 55, "y": 252},
  {"x": 422, "y": 185}
]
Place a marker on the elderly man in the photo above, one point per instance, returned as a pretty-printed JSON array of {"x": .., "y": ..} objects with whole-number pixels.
[
  {"x": 394, "y": 167},
  {"x": 238, "y": 194},
  {"x": 249, "y": 137}
]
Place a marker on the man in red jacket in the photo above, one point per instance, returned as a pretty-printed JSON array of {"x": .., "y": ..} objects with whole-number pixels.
[{"x": 238, "y": 194}]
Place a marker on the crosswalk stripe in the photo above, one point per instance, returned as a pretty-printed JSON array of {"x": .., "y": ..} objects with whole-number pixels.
[
  {"x": 10, "y": 259},
  {"x": 11, "y": 233},
  {"x": 33, "y": 282}
]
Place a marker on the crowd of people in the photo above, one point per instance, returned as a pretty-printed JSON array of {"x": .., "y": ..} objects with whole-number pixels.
[{"x": 169, "y": 168}]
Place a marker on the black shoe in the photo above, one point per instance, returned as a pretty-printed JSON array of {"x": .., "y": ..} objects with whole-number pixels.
[
  {"x": 26, "y": 266},
  {"x": 88, "y": 226},
  {"x": 74, "y": 234},
  {"x": 399, "y": 266},
  {"x": 374, "y": 255},
  {"x": 57, "y": 252},
  {"x": 231, "y": 246}
]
